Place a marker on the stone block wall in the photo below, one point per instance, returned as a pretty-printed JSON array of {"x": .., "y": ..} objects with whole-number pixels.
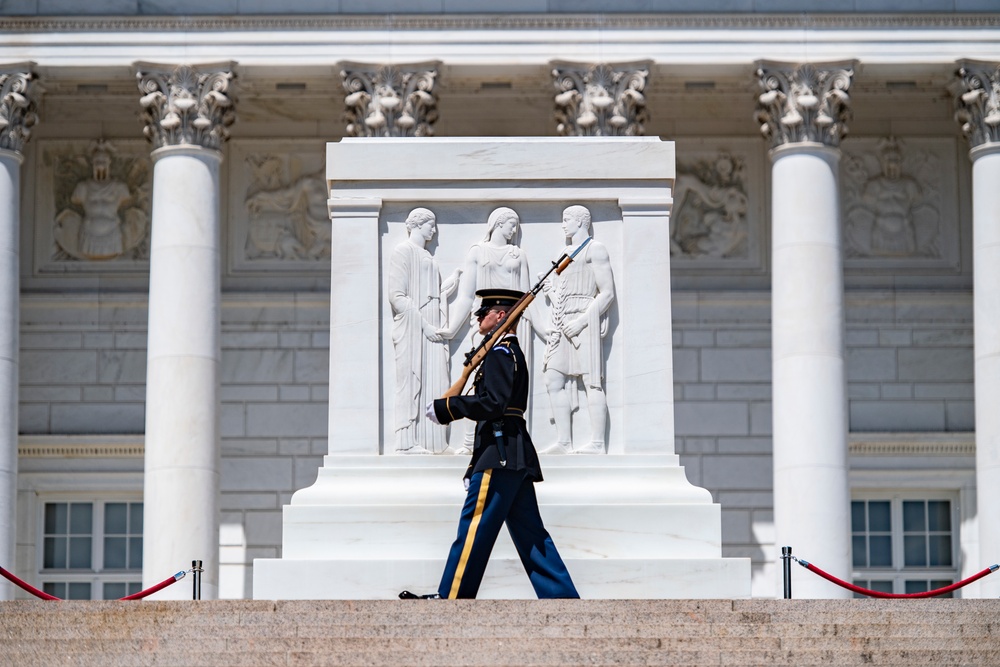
[
  {"x": 909, "y": 363},
  {"x": 909, "y": 369},
  {"x": 82, "y": 372}
]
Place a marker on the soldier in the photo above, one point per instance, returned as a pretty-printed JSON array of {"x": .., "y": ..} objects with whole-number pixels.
[{"x": 504, "y": 467}]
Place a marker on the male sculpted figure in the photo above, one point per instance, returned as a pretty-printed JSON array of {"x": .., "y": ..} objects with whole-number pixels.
[
  {"x": 580, "y": 297},
  {"x": 112, "y": 222},
  {"x": 892, "y": 196},
  {"x": 496, "y": 262},
  {"x": 420, "y": 318}
]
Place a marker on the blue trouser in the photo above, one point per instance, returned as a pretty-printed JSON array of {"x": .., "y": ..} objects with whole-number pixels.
[{"x": 494, "y": 497}]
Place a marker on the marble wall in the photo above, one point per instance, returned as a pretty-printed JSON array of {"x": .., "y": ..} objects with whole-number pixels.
[{"x": 909, "y": 368}]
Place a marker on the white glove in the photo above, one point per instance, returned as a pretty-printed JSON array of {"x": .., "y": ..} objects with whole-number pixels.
[
  {"x": 466, "y": 481},
  {"x": 430, "y": 414}
]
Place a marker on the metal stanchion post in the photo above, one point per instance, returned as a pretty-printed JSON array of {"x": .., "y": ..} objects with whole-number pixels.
[
  {"x": 786, "y": 569},
  {"x": 196, "y": 569}
]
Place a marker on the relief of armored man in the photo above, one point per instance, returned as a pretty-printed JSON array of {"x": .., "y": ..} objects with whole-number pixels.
[
  {"x": 114, "y": 222},
  {"x": 580, "y": 298}
]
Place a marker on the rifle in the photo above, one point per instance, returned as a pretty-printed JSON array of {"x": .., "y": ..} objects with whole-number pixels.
[{"x": 478, "y": 353}]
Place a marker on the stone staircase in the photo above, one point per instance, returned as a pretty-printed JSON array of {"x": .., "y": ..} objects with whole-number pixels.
[{"x": 252, "y": 633}]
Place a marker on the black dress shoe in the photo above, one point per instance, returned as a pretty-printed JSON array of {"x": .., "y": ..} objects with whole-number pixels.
[{"x": 407, "y": 595}]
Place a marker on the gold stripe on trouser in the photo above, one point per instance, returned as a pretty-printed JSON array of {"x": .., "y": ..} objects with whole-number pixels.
[{"x": 470, "y": 536}]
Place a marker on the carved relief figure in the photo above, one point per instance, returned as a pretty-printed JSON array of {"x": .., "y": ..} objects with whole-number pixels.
[
  {"x": 288, "y": 220},
  {"x": 889, "y": 214},
  {"x": 496, "y": 262},
  {"x": 419, "y": 328},
  {"x": 580, "y": 297},
  {"x": 105, "y": 215},
  {"x": 710, "y": 218}
]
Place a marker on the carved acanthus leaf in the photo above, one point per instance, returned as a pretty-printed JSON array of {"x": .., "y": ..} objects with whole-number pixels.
[
  {"x": 187, "y": 105},
  {"x": 804, "y": 102},
  {"x": 601, "y": 99},
  {"x": 17, "y": 106},
  {"x": 390, "y": 100},
  {"x": 977, "y": 101}
]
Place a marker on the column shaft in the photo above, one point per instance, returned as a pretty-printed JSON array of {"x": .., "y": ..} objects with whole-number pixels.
[
  {"x": 10, "y": 197},
  {"x": 986, "y": 313},
  {"x": 182, "y": 386},
  {"x": 811, "y": 497}
]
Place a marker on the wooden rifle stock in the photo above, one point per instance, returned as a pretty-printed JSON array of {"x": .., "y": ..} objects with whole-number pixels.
[{"x": 476, "y": 356}]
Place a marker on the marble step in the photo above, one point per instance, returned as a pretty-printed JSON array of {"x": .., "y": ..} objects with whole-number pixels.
[{"x": 501, "y": 632}]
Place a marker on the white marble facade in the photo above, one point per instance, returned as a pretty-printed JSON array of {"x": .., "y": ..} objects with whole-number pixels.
[{"x": 908, "y": 320}]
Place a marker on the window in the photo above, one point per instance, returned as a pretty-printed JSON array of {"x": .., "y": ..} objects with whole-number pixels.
[
  {"x": 91, "y": 550},
  {"x": 904, "y": 544}
]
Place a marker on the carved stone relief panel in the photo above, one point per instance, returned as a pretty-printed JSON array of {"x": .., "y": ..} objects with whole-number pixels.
[
  {"x": 93, "y": 206},
  {"x": 579, "y": 413},
  {"x": 899, "y": 202},
  {"x": 717, "y": 220},
  {"x": 277, "y": 206}
]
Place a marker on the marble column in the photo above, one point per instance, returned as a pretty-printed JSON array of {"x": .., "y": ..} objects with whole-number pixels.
[
  {"x": 390, "y": 100},
  {"x": 17, "y": 115},
  {"x": 602, "y": 100},
  {"x": 977, "y": 100},
  {"x": 186, "y": 111},
  {"x": 803, "y": 111}
]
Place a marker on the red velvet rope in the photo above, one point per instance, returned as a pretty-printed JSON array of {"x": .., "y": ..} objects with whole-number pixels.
[
  {"x": 26, "y": 586},
  {"x": 879, "y": 594},
  {"x": 157, "y": 587},
  {"x": 135, "y": 596}
]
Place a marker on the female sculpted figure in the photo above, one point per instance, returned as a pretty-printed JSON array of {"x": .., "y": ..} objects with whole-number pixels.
[
  {"x": 495, "y": 262},
  {"x": 420, "y": 317}
]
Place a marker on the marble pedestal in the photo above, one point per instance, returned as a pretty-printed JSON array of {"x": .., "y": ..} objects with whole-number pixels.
[
  {"x": 627, "y": 523},
  {"x": 627, "y": 527}
]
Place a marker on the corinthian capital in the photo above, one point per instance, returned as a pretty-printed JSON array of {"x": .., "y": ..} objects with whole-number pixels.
[
  {"x": 390, "y": 100},
  {"x": 804, "y": 103},
  {"x": 187, "y": 104},
  {"x": 17, "y": 107},
  {"x": 977, "y": 101},
  {"x": 600, "y": 100}
]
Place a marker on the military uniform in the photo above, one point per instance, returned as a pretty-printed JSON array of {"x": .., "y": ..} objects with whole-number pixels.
[{"x": 501, "y": 477}]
